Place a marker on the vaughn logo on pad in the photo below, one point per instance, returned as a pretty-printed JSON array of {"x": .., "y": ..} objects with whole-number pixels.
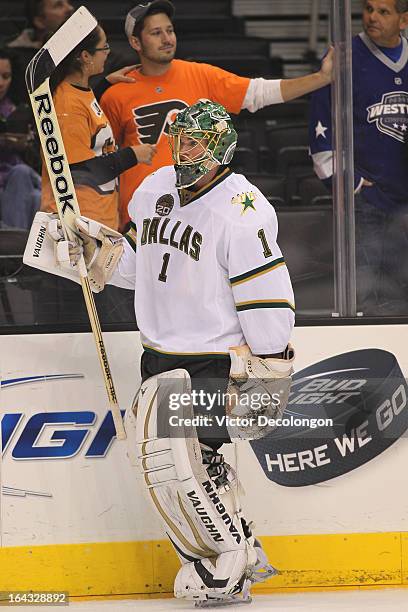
[{"x": 364, "y": 393}]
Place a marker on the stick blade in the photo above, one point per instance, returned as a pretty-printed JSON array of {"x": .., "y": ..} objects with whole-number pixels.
[{"x": 68, "y": 36}]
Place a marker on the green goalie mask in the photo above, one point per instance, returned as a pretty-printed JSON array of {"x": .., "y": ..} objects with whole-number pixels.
[{"x": 201, "y": 137}]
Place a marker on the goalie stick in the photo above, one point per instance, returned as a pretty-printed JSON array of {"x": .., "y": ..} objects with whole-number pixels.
[{"x": 38, "y": 73}]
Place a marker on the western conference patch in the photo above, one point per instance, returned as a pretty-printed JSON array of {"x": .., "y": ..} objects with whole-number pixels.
[{"x": 364, "y": 393}]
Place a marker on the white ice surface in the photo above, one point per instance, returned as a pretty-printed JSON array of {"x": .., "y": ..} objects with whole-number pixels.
[{"x": 351, "y": 601}]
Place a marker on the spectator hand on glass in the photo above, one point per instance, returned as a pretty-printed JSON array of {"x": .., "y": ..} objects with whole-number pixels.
[{"x": 326, "y": 68}]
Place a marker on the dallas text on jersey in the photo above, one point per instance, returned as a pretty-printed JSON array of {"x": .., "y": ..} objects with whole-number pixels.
[{"x": 183, "y": 238}]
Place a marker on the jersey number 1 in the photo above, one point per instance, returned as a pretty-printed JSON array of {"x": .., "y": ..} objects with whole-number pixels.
[
  {"x": 163, "y": 273},
  {"x": 266, "y": 248}
]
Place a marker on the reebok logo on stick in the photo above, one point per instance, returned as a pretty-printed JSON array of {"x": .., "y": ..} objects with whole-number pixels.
[{"x": 56, "y": 163}]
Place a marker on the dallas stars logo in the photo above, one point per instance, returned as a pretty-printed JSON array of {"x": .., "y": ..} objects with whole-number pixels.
[{"x": 246, "y": 200}]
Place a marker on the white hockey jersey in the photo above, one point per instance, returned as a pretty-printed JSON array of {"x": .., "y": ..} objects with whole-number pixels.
[{"x": 208, "y": 275}]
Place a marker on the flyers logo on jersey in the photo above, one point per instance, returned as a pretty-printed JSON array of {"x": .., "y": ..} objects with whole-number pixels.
[
  {"x": 391, "y": 114},
  {"x": 153, "y": 120},
  {"x": 246, "y": 200}
]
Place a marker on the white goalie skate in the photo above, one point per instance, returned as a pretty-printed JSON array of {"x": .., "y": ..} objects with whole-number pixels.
[
  {"x": 259, "y": 572},
  {"x": 226, "y": 579},
  {"x": 224, "y": 478}
]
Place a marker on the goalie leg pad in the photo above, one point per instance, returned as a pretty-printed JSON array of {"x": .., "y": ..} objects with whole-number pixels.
[
  {"x": 175, "y": 476},
  {"x": 193, "y": 491}
]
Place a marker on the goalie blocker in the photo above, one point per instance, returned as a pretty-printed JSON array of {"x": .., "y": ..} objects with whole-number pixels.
[{"x": 48, "y": 250}]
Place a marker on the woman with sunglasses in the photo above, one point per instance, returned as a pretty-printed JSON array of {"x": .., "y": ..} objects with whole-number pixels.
[{"x": 95, "y": 164}]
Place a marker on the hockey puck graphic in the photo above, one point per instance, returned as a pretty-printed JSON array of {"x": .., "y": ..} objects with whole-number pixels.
[{"x": 342, "y": 412}]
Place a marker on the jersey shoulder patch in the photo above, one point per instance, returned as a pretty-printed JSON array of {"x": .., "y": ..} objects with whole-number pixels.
[{"x": 245, "y": 203}]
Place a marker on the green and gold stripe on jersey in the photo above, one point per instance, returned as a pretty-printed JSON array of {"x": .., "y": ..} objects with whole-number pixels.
[
  {"x": 131, "y": 236},
  {"x": 247, "y": 276},
  {"x": 159, "y": 352},
  {"x": 256, "y": 304}
]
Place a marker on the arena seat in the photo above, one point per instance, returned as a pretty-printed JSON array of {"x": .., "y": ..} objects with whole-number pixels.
[
  {"x": 272, "y": 186},
  {"x": 244, "y": 160},
  {"x": 222, "y": 46},
  {"x": 311, "y": 187},
  {"x": 191, "y": 17},
  {"x": 248, "y": 65},
  {"x": 322, "y": 200},
  {"x": 10, "y": 27},
  {"x": 281, "y": 137},
  {"x": 12, "y": 245},
  {"x": 306, "y": 239},
  {"x": 217, "y": 24}
]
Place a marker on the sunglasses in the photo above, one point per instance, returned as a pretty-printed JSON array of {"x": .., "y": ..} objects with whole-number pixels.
[{"x": 105, "y": 48}]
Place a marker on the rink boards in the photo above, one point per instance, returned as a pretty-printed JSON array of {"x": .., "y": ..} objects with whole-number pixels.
[{"x": 330, "y": 511}]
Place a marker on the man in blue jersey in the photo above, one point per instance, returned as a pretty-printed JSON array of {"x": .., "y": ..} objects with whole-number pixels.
[{"x": 380, "y": 110}]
